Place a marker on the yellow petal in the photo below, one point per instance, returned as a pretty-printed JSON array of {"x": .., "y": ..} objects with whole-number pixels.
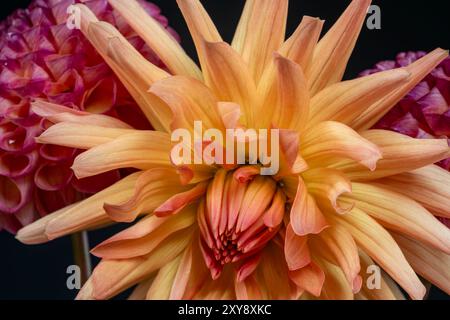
[
  {"x": 160, "y": 288},
  {"x": 157, "y": 38},
  {"x": 190, "y": 100},
  {"x": 327, "y": 185},
  {"x": 428, "y": 185},
  {"x": 418, "y": 70},
  {"x": 260, "y": 33},
  {"x": 111, "y": 277},
  {"x": 328, "y": 140},
  {"x": 57, "y": 113},
  {"x": 397, "y": 212},
  {"x": 228, "y": 76},
  {"x": 427, "y": 261},
  {"x": 300, "y": 46},
  {"x": 336, "y": 286},
  {"x": 400, "y": 154},
  {"x": 80, "y": 136},
  {"x": 333, "y": 51},
  {"x": 140, "y": 292},
  {"x": 142, "y": 150},
  {"x": 345, "y": 101},
  {"x": 337, "y": 246},
  {"x": 379, "y": 244}
]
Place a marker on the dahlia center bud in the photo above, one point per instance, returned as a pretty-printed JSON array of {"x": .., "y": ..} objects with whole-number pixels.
[{"x": 242, "y": 212}]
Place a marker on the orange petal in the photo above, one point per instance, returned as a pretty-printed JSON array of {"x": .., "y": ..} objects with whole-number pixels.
[
  {"x": 327, "y": 185},
  {"x": 291, "y": 160},
  {"x": 300, "y": 46},
  {"x": 275, "y": 214},
  {"x": 249, "y": 289},
  {"x": 426, "y": 261},
  {"x": 111, "y": 277},
  {"x": 190, "y": 100},
  {"x": 227, "y": 74},
  {"x": 142, "y": 150},
  {"x": 428, "y": 185},
  {"x": 336, "y": 244},
  {"x": 192, "y": 174},
  {"x": 310, "y": 278},
  {"x": 400, "y": 154},
  {"x": 296, "y": 250},
  {"x": 157, "y": 38},
  {"x": 306, "y": 217},
  {"x": 89, "y": 213},
  {"x": 162, "y": 284},
  {"x": 268, "y": 17},
  {"x": 328, "y": 140},
  {"x": 127, "y": 245},
  {"x": 336, "y": 286},
  {"x": 79, "y": 136},
  {"x": 418, "y": 70},
  {"x": 345, "y": 101},
  {"x": 379, "y": 244},
  {"x": 152, "y": 188},
  {"x": 181, "y": 200},
  {"x": 333, "y": 51},
  {"x": 400, "y": 213}
]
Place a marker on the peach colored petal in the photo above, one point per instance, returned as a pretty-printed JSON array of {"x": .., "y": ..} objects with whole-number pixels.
[
  {"x": 140, "y": 292},
  {"x": 379, "y": 244},
  {"x": 247, "y": 268},
  {"x": 291, "y": 160},
  {"x": 336, "y": 286},
  {"x": 402, "y": 214},
  {"x": 162, "y": 284},
  {"x": 80, "y": 136},
  {"x": 227, "y": 74},
  {"x": 183, "y": 272},
  {"x": 157, "y": 38},
  {"x": 231, "y": 114},
  {"x": 300, "y": 46},
  {"x": 310, "y": 278},
  {"x": 151, "y": 189},
  {"x": 190, "y": 100},
  {"x": 142, "y": 150},
  {"x": 111, "y": 277},
  {"x": 337, "y": 246},
  {"x": 57, "y": 113},
  {"x": 345, "y": 101},
  {"x": 275, "y": 214},
  {"x": 426, "y": 261},
  {"x": 400, "y": 154},
  {"x": 327, "y": 185},
  {"x": 333, "y": 51},
  {"x": 181, "y": 200},
  {"x": 306, "y": 217},
  {"x": 192, "y": 174},
  {"x": 249, "y": 289},
  {"x": 428, "y": 185},
  {"x": 328, "y": 140},
  {"x": 296, "y": 250},
  {"x": 268, "y": 17},
  {"x": 89, "y": 213}
]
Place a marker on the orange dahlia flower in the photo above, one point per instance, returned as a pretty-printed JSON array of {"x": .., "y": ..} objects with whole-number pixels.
[{"x": 345, "y": 197}]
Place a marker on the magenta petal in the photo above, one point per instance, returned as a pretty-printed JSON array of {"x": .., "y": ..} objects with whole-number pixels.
[
  {"x": 15, "y": 165},
  {"x": 53, "y": 177},
  {"x": 14, "y": 193}
]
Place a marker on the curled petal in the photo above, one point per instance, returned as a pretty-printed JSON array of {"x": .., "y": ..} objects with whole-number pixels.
[
  {"x": 296, "y": 250},
  {"x": 14, "y": 193},
  {"x": 329, "y": 140},
  {"x": 310, "y": 278},
  {"x": 400, "y": 154}
]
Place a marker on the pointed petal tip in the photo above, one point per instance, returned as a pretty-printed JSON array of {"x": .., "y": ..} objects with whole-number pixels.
[
  {"x": 87, "y": 292},
  {"x": 33, "y": 233}
]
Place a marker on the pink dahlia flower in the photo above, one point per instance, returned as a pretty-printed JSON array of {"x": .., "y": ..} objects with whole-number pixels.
[
  {"x": 425, "y": 111},
  {"x": 40, "y": 58}
]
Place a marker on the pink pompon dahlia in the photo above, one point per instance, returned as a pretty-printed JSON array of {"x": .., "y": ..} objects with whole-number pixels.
[
  {"x": 345, "y": 197},
  {"x": 40, "y": 57},
  {"x": 424, "y": 113}
]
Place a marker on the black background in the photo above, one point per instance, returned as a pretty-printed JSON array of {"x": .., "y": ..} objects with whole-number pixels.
[{"x": 39, "y": 272}]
